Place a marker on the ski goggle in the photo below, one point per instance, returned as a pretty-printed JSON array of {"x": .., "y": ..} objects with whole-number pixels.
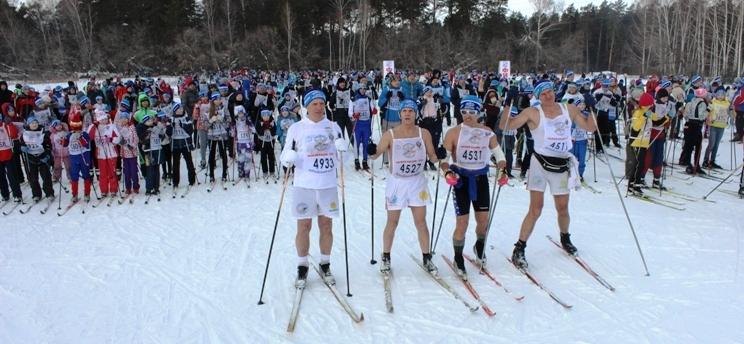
[{"x": 466, "y": 112}]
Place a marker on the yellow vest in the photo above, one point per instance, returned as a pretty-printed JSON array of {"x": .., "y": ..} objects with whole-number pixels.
[{"x": 719, "y": 113}]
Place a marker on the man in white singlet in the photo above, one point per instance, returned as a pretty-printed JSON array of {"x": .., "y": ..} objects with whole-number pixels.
[
  {"x": 471, "y": 145},
  {"x": 550, "y": 125},
  {"x": 408, "y": 147},
  {"x": 311, "y": 146}
]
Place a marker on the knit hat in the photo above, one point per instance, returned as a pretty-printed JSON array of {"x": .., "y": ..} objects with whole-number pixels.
[
  {"x": 470, "y": 102},
  {"x": 701, "y": 92},
  {"x": 662, "y": 92},
  {"x": 695, "y": 78},
  {"x": 312, "y": 95},
  {"x": 146, "y": 118},
  {"x": 265, "y": 113},
  {"x": 176, "y": 106},
  {"x": 84, "y": 100},
  {"x": 665, "y": 84},
  {"x": 284, "y": 108},
  {"x": 646, "y": 100},
  {"x": 427, "y": 89},
  {"x": 123, "y": 115},
  {"x": 239, "y": 109},
  {"x": 542, "y": 87},
  {"x": 214, "y": 96},
  {"x": 720, "y": 92},
  {"x": 100, "y": 115},
  {"x": 408, "y": 104},
  {"x": 31, "y": 119}
]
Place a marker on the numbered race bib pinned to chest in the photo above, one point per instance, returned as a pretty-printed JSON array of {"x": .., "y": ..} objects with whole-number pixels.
[
  {"x": 34, "y": 141},
  {"x": 394, "y": 101},
  {"x": 318, "y": 152},
  {"x": 244, "y": 132},
  {"x": 473, "y": 147},
  {"x": 557, "y": 134},
  {"x": 408, "y": 157},
  {"x": 5, "y": 142}
]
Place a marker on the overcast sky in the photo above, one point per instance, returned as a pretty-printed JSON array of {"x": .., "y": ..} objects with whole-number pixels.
[{"x": 525, "y": 8}]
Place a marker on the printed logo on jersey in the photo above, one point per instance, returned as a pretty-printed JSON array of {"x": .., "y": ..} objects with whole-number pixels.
[
  {"x": 561, "y": 128},
  {"x": 424, "y": 196},
  {"x": 333, "y": 206},
  {"x": 476, "y": 136},
  {"x": 409, "y": 149},
  {"x": 321, "y": 142},
  {"x": 392, "y": 200},
  {"x": 302, "y": 208}
]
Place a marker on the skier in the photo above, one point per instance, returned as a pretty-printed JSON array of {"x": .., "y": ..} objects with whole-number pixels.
[
  {"x": 78, "y": 149},
  {"x": 286, "y": 119},
  {"x": 717, "y": 120},
  {"x": 340, "y": 103},
  {"x": 408, "y": 147},
  {"x": 265, "y": 131},
  {"x": 579, "y": 135},
  {"x": 58, "y": 133},
  {"x": 180, "y": 132},
  {"x": 37, "y": 147},
  {"x": 360, "y": 113},
  {"x": 552, "y": 163},
  {"x": 638, "y": 142},
  {"x": 128, "y": 145},
  {"x": 244, "y": 132},
  {"x": 217, "y": 135},
  {"x": 9, "y": 148},
  {"x": 389, "y": 104},
  {"x": 655, "y": 154},
  {"x": 150, "y": 136},
  {"x": 470, "y": 145},
  {"x": 696, "y": 111},
  {"x": 106, "y": 136},
  {"x": 201, "y": 117},
  {"x": 312, "y": 145}
]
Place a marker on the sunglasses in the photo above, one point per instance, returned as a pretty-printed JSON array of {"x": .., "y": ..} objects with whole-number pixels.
[{"x": 470, "y": 112}]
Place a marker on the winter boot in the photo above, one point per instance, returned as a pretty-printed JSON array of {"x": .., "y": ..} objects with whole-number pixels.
[
  {"x": 429, "y": 265},
  {"x": 518, "y": 255},
  {"x": 480, "y": 255},
  {"x": 385, "y": 263},
  {"x": 657, "y": 185},
  {"x": 365, "y": 166},
  {"x": 356, "y": 165},
  {"x": 567, "y": 245},
  {"x": 460, "y": 267}
]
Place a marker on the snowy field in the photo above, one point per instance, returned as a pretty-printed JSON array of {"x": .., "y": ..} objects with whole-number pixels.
[{"x": 189, "y": 271}]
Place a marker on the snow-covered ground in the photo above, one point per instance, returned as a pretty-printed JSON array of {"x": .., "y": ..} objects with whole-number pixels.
[{"x": 189, "y": 271}]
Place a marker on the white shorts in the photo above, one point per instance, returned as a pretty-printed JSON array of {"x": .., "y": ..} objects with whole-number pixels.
[
  {"x": 309, "y": 203},
  {"x": 538, "y": 179},
  {"x": 406, "y": 192}
]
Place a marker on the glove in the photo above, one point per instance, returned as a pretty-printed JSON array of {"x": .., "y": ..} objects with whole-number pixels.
[
  {"x": 341, "y": 145},
  {"x": 400, "y": 95},
  {"x": 374, "y": 111},
  {"x": 256, "y": 148},
  {"x": 388, "y": 94},
  {"x": 503, "y": 178},
  {"x": 356, "y": 116},
  {"x": 123, "y": 142},
  {"x": 371, "y": 148},
  {"x": 441, "y": 153},
  {"x": 648, "y": 114},
  {"x": 288, "y": 158},
  {"x": 451, "y": 178}
]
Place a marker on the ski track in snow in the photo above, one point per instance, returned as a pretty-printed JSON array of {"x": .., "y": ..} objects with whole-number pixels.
[{"x": 189, "y": 271}]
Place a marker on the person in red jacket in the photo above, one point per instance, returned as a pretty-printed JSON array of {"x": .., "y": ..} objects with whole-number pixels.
[
  {"x": 738, "y": 104},
  {"x": 9, "y": 147}
]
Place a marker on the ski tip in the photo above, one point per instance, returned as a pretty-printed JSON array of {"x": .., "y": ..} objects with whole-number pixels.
[{"x": 474, "y": 309}]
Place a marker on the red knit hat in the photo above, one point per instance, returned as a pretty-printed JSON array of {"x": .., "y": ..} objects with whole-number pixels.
[{"x": 646, "y": 100}]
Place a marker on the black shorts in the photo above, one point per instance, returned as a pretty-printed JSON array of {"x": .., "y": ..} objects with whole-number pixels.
[{"x": 461, "y": 196}]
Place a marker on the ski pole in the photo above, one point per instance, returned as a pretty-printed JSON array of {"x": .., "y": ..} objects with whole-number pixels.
[
  {"x": 343, "y": 210},
  {"x": 273, "y": 235},
  {"x": 724, "y": 180},
  {"x": 372, "y": 211},
  {"x": 625, "y": 209},
  {"x": 441, "y": 221},
  {"x": 436, "y": 199}
]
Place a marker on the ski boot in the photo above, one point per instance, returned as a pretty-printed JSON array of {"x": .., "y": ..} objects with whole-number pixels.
[
  {"x": 518, "y": 258},
  {"x": 356, "y": 165},
  {"x": 17, "y": 199},
  {"x": 301, "y": 280},
  {"x": 429, "y": 265},
  {"x": 480, "y": 256},
  {"x": 365, "y": 166},
  {"x": 86, "y": 198},
  {"x": 385, "y": 263},
  {"x": 327, "y": 275},
  {"x": 460, "y": 267},
  {"x": 567, "y": 245},
  {"x": 634, "y": 190},
  {"x": 74, "y": 199},
  {"x": 715, "y": 166},
  {"x": 36, "y": 199},
  {"x": 657, "y": 185}
]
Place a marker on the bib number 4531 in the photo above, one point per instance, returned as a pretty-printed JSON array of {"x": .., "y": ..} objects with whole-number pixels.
[
  {"x": 559, "y": 146},
  {"x": 472, "y": 155}
]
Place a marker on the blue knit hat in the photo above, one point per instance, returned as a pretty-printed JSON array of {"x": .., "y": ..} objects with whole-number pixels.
[
  {"x": 214, "y": 96},
  {"x": 146, "y": 118},
  {"x": 39, "y": 102},
  {"x": 666, "y": 83},
  {"x": 176, "y": 106},
  {"x": 31, "y": 119},
  {"x": 408, "y": 104},
  {"x": 695, "y": 78},
  {"x": 222, "y": 88},
  {"x": 84, "y": 100},
  {"x": 470, "y": 102},
  {"x": 312, "y": 95},
  {"x": 544, "y": 86}
]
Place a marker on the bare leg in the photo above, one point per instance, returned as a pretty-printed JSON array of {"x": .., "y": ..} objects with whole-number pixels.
[
  {"x": 561, "y": 206},
  {"x": 419, "y": 219},
  {"x": 393, "y": 216},
  {"x": 326, "y": 234},
  {"x": 528, "y": 224},
  {"x": 302, "y": 240}
]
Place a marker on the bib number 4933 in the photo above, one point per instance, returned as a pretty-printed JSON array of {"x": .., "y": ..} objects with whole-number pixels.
[{"x": 323, "y": 164}]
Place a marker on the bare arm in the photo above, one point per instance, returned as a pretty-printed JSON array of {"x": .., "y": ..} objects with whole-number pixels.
[
  {"x": 450, "y": 140},
  {"x": 586, "y": 123},
  {"x": 429, "y": 146},
  {"x": 519, "y": 120},
  {"x": 383, "y": 146}
]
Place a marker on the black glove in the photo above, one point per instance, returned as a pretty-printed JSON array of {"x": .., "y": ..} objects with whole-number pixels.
[
  {"x": 388, "y": 94},
  {"x": 371, "y": 148},
  {"x": 599, "y": 96},
  {"x": 256, "y": 148},
  {"x": 441, "y": 153},
  {"x": 400, "y": 94}
]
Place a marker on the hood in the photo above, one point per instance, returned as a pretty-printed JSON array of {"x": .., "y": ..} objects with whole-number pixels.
[
  {"x": 142, "y": 97},
  {"x": 4, "y": 109},
  {"x": 3, "y": 82}
]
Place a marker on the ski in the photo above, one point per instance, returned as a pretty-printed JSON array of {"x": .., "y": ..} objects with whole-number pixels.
[
  {"x": 84, "y": 205},
  {"x": 175, "y": 192},
  {"x": 27, "y": 209},
  {"x": 66, "y": 209},
  {"x": 9, "y": 211},
  {"x": 583, "y": 265},
  {"x": 211, "y": 186},
  {"x": 4, "y": 204},
  {"x": 124, "y": 199},
  {"x": 99, "y": 202},
  {"x": 470, "y": 289},
  {"x": 386, "y": 281},
  {"x": 111, "y": 200},
  {"x": 446, "y": 286},
  {"x": 295, "y": 308},
  {"x": 147, "y": 199},
  {"x": 658, "y": 202},
  {"x": 340, "y": 298},
  {"x": 488, "y": 274},
  {"x": 590, "y": 188},
  {"x": 50, "y": 201},
  {"x": 536, "y": 282}
]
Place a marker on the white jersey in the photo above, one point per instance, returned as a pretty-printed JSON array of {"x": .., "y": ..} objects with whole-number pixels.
[
  {"x": 316, "y": 163},
  {"x": 244, "y": 132},
  {"x": 34, "y": 140},
  {"x": 553, "y": 135},
  {"x": 101, "y": 134},
  {"x": 473, "y": 147},
  {"x": 361, "y": 105},
  {"x": 408, "y": 155},
  {"x": 5, "y": 141},
  {"x": 44, "y": 117}
]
